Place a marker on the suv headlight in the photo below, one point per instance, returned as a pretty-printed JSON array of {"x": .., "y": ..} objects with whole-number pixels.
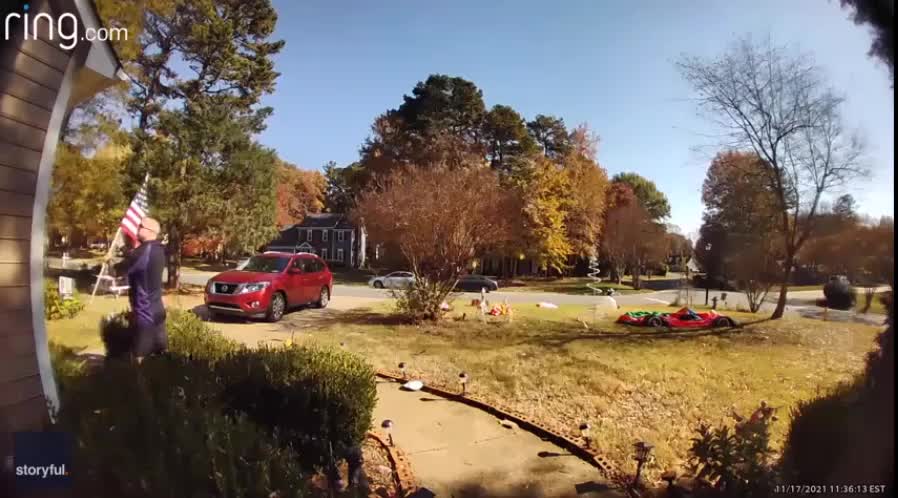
[{"x": 253, "y": 287}]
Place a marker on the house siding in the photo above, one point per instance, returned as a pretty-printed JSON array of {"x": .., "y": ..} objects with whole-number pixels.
[
  {"x": 27, "y": 95},
  {"x": 36, "y": 82}
]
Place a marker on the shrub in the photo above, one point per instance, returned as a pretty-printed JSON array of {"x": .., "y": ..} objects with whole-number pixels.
[
  {"x": 420, "y": 302},
  {"x": 159, "y": 430},
  {"x": 839, "y": 294},
  {"x": 66, "y": 364},
  {"x": 821, "y": 432},
  {"x": 55, "y": 307},
  {"x": 189, "y": 336},
  {"x": 735, "y": 461},
  {"x": 321, "y": 400},
  {"x": 117, "y": 335}
]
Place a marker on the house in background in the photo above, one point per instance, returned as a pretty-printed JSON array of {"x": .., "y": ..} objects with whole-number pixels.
[{"x": 329, "y": 235}]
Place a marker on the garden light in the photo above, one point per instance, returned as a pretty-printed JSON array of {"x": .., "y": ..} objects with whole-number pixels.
[
  {"x": 584, "y": 432},
  {"x": 463, "y": 379},
  {"x": 643, "y": 450},
  {"x": 387, "y": 426}
]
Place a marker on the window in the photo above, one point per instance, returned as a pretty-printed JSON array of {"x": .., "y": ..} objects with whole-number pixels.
[
  {"x": 339, "y": 254},
  {"x": 309, "y": 235},
  {"x": 324, "y": 236},
  {"x": 324, "y": 254},
  {"x": 301, "y": 264},
  {"x": 266, "y": 264},
  {"x": 314, "y": 265},
  {"x": 341, "y": 236}
]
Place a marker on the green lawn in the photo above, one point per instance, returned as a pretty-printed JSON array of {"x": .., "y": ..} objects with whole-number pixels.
[
  {"x": 570, "y": 285},
  {"x": 798, "y": 288},
  {"x": 83, "y": 330}
]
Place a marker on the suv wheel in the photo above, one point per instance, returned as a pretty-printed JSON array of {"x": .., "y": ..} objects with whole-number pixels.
[
  {"x": 323, "y": 298},
  {"x": 276, "y": 307},
  {"x": 378, "y": 284}
]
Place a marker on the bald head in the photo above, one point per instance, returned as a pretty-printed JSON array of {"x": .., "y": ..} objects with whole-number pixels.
[{"x": 149, "y": 229}]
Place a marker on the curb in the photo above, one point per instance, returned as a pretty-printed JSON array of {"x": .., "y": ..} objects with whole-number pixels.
[
  {"x": 402, "y": 468},
  {"x": 588, "y": 455}
]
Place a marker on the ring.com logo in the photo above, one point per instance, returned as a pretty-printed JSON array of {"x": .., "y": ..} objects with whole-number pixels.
[
  {"x": 41, "y": 471},
  {"x": 65, "y": 28}
]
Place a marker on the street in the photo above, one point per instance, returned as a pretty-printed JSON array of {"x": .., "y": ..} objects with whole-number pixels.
[{"x": 734, "y": 300}]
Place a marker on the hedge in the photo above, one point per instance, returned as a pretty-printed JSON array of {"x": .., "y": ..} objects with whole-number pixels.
[
  {"x": 321, "y": 400},
  {"x": 159, "y": 430},
  {"x": 318, "y": 400}
]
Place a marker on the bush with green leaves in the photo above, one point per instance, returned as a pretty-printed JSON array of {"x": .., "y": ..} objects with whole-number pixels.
[
  {"x": 320, "y": 400},
  {"x": 56, "y": 307},
  {"x": 189, "y": 336},
  {"x": 159, "y": 429},
  {"x": 735, "y": 461}
]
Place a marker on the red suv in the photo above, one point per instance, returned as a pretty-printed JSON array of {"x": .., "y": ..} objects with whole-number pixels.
[{"x": 269, "y": 284}]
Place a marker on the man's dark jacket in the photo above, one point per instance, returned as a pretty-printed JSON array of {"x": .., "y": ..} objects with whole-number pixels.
[{"x": 144, "y": 266}]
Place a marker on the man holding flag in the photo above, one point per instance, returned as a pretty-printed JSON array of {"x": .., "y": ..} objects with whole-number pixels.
[{"x": 144, "y": 266}]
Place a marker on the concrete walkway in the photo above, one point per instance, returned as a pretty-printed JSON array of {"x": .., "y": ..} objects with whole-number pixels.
[{"x": 461, "y": 452}]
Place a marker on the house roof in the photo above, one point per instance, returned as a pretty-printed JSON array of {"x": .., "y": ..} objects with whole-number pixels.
[{"x": 324, "y": 220}]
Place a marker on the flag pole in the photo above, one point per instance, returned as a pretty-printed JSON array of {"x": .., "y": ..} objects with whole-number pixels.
[
  {"x": 109, "y": 252},
  {"x": 114, "y": 245}
]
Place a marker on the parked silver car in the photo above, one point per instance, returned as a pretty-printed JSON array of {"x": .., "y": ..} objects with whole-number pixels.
[{"x": 395, "y": 280}]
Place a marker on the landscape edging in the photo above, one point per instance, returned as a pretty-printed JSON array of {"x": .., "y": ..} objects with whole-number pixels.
[{"x": 590, "y": 456}]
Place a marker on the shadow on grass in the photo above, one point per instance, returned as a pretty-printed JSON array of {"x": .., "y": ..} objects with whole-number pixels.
[
  {"x": 303, "y": 315},
  {"x": 637, "y": 336}
]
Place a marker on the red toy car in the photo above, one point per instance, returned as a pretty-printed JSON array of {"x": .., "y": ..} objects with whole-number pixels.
[
  {"x": 269, "y": 284},
  {"x": 685, "y": 318}
]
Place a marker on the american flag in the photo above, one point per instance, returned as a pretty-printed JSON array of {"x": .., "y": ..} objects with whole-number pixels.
[{"x": 136, "y": 212}]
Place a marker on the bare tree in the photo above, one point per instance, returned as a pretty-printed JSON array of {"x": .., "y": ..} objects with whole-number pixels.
[
  {"x": 778, "y": 104},
  {"x": 440, "y": 219},
  {"x": 752, "y": 263}
]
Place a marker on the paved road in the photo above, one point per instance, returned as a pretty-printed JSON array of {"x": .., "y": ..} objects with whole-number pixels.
[{"x": 734, "y": 300}]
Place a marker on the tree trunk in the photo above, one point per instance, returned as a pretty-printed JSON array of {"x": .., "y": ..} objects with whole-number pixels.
[
  {"x": 784, "y": 288},
  {"x": 174, "y": 260}
]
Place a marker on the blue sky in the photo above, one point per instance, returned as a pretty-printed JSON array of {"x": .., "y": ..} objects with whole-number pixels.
[{"x": 606, "y": 63}]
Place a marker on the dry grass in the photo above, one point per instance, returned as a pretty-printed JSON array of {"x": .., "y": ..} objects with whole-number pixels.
[
  {"x": 876, "y": 306},
  {"x": 628, "y": 383}
]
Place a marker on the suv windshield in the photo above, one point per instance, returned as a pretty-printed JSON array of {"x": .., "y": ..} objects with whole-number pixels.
[{"x": 266, "y": 264}]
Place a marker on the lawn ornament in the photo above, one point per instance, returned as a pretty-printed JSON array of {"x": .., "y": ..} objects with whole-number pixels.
[{"x": 684, "y": 318}]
